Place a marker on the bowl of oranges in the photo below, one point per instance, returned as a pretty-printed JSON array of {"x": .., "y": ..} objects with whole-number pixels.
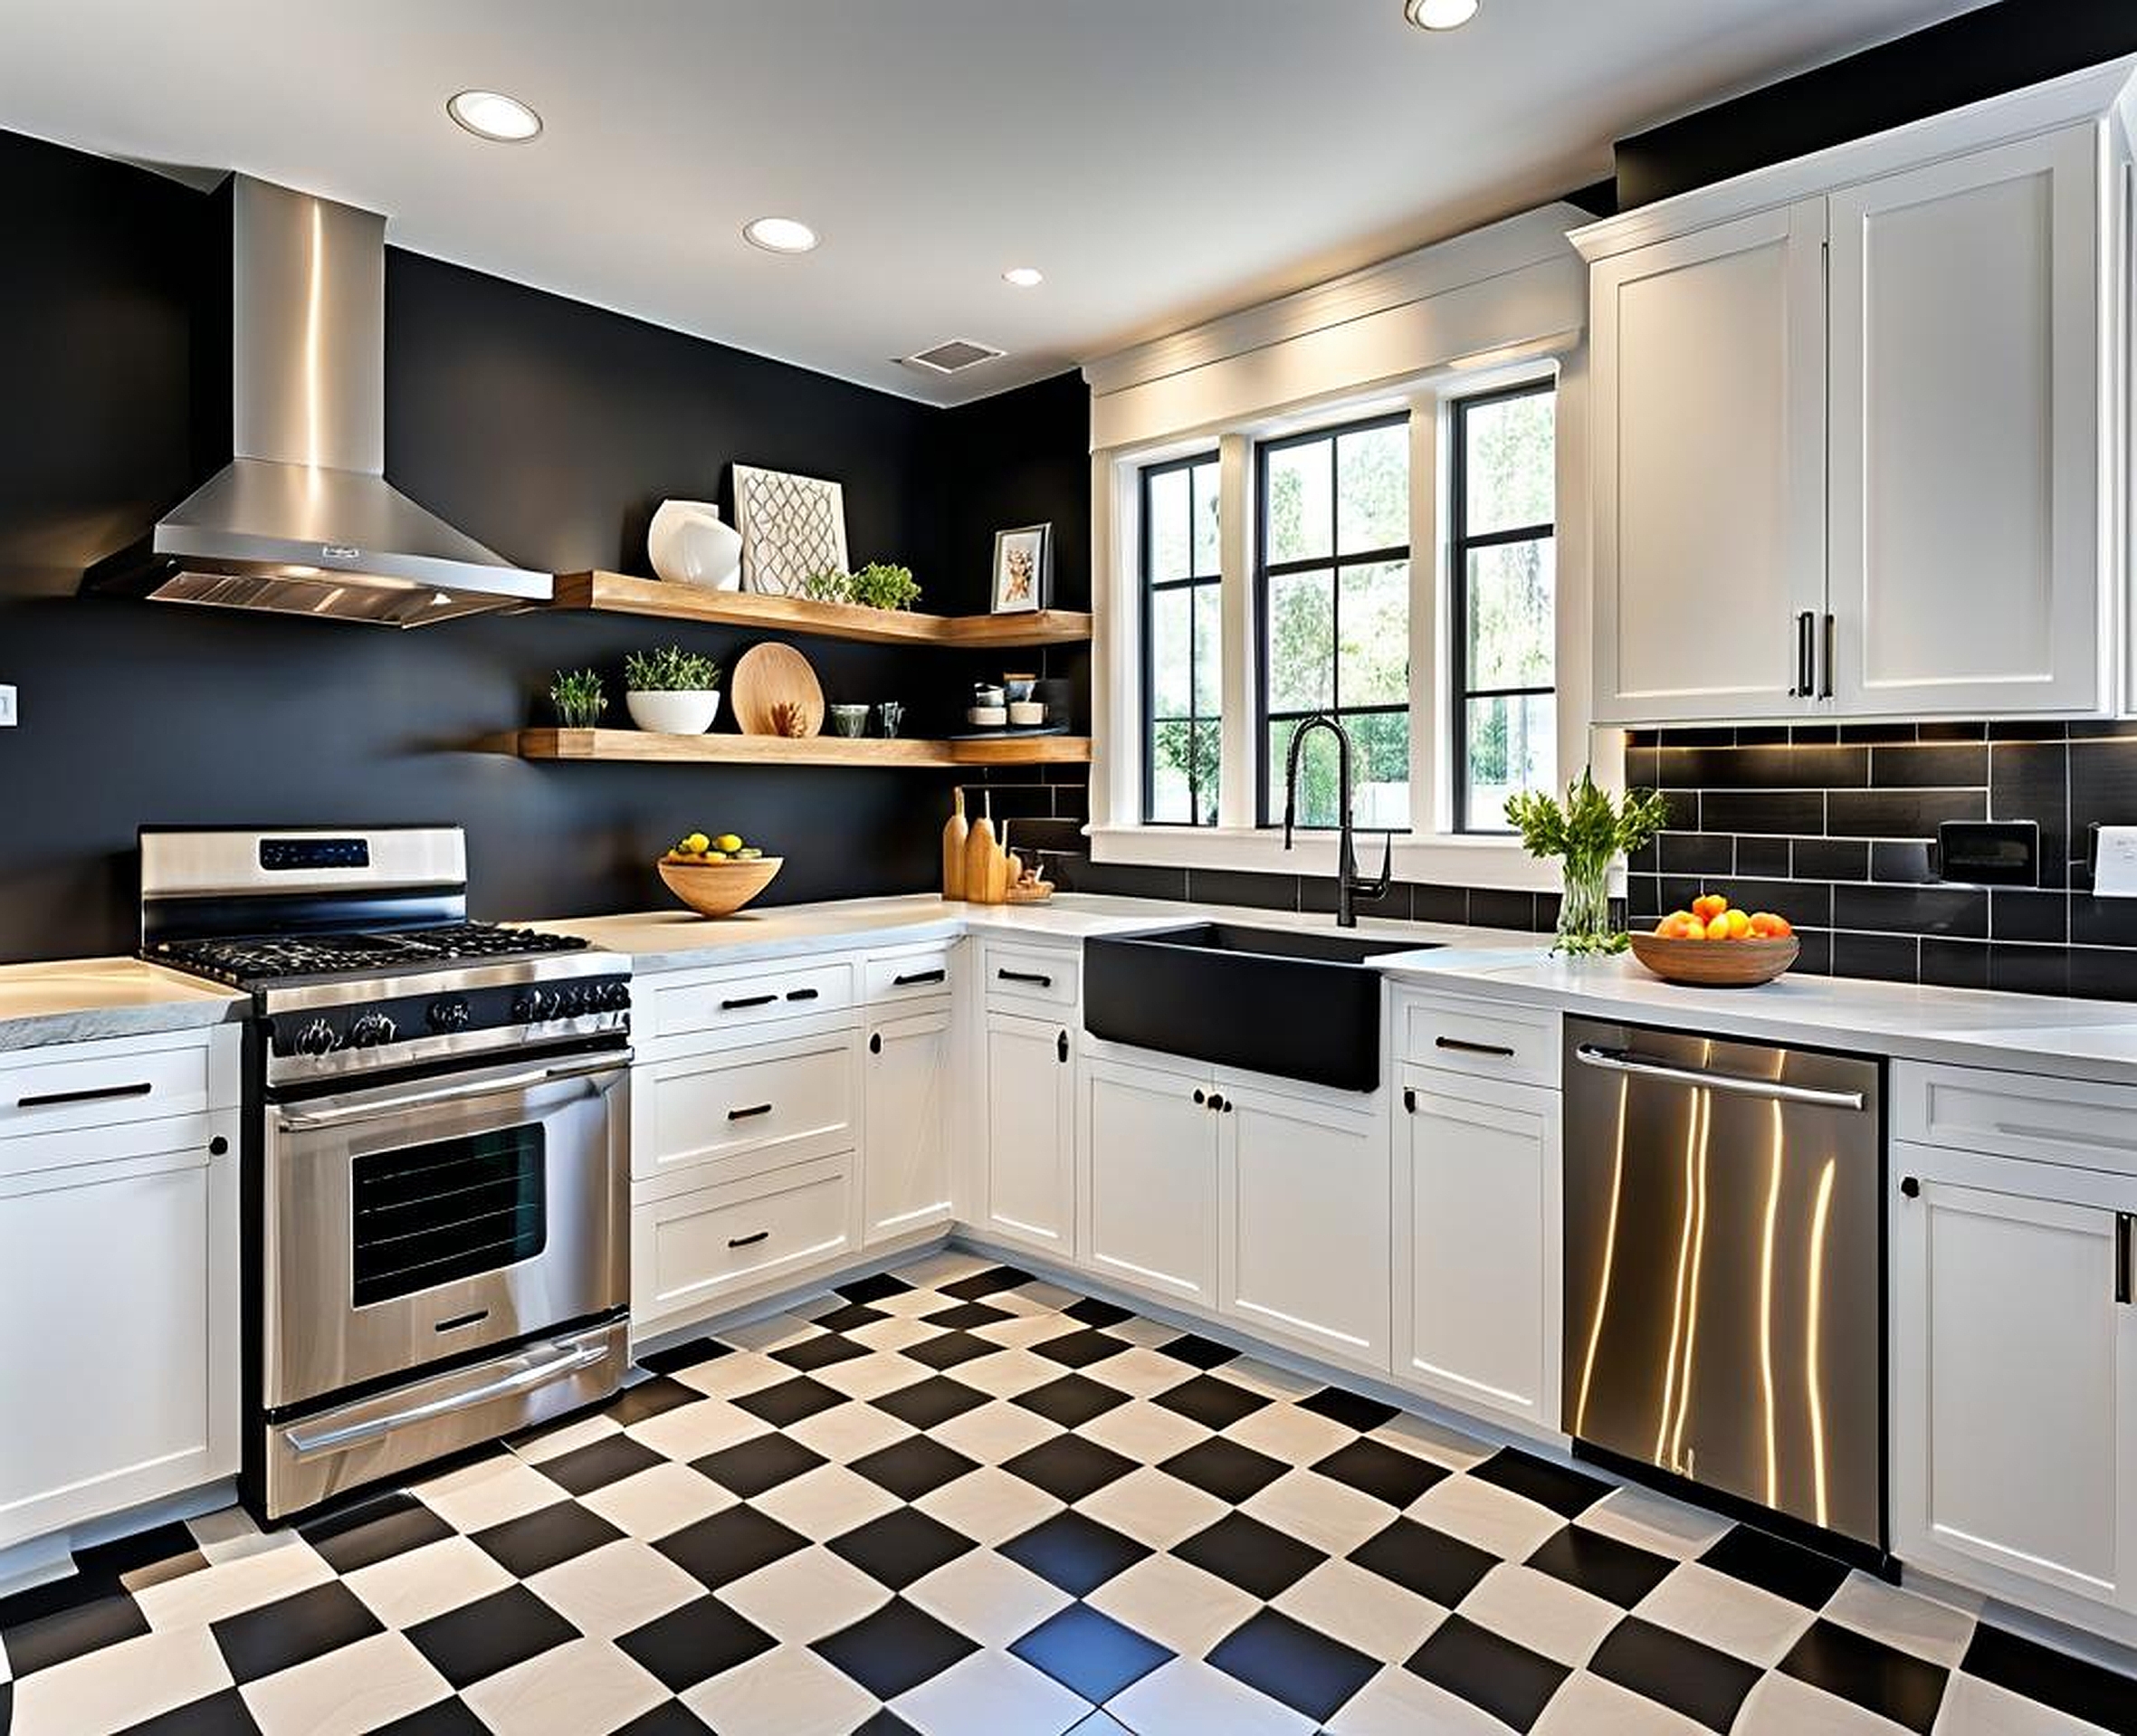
[
  {"x": 1715, "y": 945},
  {"x": 715, "y": 876}
]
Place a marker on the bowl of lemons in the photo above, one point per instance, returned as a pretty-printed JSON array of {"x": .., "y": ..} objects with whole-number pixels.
[{"x": 716, "y": 875}]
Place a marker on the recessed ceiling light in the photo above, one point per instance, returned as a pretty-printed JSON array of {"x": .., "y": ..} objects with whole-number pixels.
[
  {"x": 490, "y": 114},
  {"x": 1025, "y": 277},
  {"x": 780, "y": 235},
  {"x": 1439, "y": 15}
]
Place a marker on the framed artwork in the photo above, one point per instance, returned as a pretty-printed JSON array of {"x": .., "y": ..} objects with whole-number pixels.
[
  {"x": 1021, "y": 559},
  {"x": 792, "y": 528}
]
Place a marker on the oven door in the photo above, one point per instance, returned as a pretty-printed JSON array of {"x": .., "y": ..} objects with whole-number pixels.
[{"x": 405, "y": 1225}]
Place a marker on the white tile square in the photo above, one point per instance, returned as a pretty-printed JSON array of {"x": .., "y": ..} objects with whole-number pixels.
[
  {"x": 774, "y": 1332},
  {"x": 1007, "y": 1373},
  {"x": 1144, "y": 1431},
  {"x": 119, "y": 1686},
  {"x": 1432, "y": 1440},
  {"x": 487, "y": 1492},
  {"x": 1588, "y": 1705},
  {"x": 658, "y": 1501},
  {"x": 1545, "y": 1614},
  {"x": 1270, "y": 1381},
  {"x": 1176, "y": 1604},
  {"x": 417, "y": 1584},
  {"x": 865, "y": 1377},
  {"x": 991, "y": 1693},
  {"x": 1318, "y": 1510},
  {"x": 1905, "y": 1620},
  {"x": 1971, "y": 1707},
  {"x": 612, "y": 1590},
  {"x": 1396, "y": 1704},
  {"x": 1141, "y": 1372},
  {"x": 737, "y": 1376},
  {"x": 1510, "y": 1526},
  {"x": 1370, "y": 1613},
  {"x": 994, "y": 1431},
  {"x": 848, "y": 1432},
  {"x": 892, "y": 1333},
  {"x": 789, "y": 1690},
  {"x": 989, "y": 1505},
  {"x": 1153, "y": 1507},
  {"x": 585, "y": 1684},
  {"x": 1187, "y": 1697},
  {"x": 555, "y": 1443},
  {"x": 825, "y": 1502},
  {"x": 690, "y": 1431},
  {"x": 1021, "y": 1331},
  {"x": 1655, "y": 1524},
  {"x": 1285, "y": 1432},
  {"x": 805, "y": 1595},
  {"x": 1725, "y": 1613},
  {"x": 346, "y": 1692},
  {"x": 1779, "y": 1706},
  {"x": 988, "y": 1597},
  {"x": 225, "y": 1587}
]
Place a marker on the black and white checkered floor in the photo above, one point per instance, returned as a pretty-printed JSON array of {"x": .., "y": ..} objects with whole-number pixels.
[{"x": 966, "y": 1504}]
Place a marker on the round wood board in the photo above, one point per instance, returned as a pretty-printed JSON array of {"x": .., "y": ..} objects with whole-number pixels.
[
  {"x": 1715, "y": 964},
  {"x": 771, "y": 675}
]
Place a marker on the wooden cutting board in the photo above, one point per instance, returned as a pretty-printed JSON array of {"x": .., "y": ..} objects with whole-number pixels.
[{"x": 768, "y": 677}]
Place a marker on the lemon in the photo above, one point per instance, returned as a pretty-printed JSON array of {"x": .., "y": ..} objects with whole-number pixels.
[
  {"x": 728, "y": 842},
  {"x": 696, "y": 845},
  {"x": 715, "y": 855}
]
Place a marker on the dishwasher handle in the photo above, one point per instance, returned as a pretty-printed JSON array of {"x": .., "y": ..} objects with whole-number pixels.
[{"x": 1626, "y": 1061}]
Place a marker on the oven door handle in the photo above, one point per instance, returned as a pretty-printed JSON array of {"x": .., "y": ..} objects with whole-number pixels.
[
  {"x": 539, "y": 1374},
  {"x": 304, "y": 1121}
]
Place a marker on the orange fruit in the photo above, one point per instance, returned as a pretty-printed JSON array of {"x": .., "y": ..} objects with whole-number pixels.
[
  {"x": 1739, "y": 923},
  {"x": 1675, "y": 928},
  {"x": 1765, "y": 925},
  {"x": 1709, "y": 906},
  {"x": 1718, "y": 927},
  {"x": 1781, "y": 929}
]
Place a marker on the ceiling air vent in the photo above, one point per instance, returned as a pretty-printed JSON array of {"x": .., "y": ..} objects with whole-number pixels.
[{"x": 952, "y": 357}]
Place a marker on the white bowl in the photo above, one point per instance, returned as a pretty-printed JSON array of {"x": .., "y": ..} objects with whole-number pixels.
[
  {"x": 1028, "y": 713},
  {"x": 987, "y": 717},
  {"x": 689, "y": 544},
  {"x": 688, "y": 712}
]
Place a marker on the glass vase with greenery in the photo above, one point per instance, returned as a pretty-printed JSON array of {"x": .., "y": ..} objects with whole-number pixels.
[{"x": 1586, "y": 832}]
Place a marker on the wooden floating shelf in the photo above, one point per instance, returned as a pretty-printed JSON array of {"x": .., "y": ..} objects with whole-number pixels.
[
  {"x": 620, "y": 593},
  {"x": 646, "y": 747}
]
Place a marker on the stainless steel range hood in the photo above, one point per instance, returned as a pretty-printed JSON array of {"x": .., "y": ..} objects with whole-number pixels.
[{"x": 303, "y": 519}]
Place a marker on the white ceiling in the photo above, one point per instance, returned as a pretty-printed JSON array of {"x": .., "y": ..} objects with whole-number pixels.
[{"x": 1160, "y": 160}]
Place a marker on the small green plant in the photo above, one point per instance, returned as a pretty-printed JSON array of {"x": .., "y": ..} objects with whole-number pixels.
[
  {"x": 1586, "y": 833},
  {"x": 877, "y": 585},
  {"x": 670, "y": 670},
  {"x": 577, "y": 698}
]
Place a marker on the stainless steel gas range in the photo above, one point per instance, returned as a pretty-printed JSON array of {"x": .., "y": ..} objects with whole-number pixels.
[{"x": 436, "y": 1176}]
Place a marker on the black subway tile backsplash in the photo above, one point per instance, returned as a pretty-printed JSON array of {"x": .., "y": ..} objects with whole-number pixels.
[
  {"x": 1769, "y": 858},
  {"x": 1697, "y": 853},
  {"x": 1908, "y": 861},
  {"x": 1913, "y": 909},
  {"x": 1900, "y": 813},
  {"x": 1830, "y": 859},
  {"x": 1771, "y": 811},
  {"x": 1945, "y": 767}
]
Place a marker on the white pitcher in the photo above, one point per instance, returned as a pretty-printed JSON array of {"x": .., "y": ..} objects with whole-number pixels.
[{"x": 689, "y": 544}]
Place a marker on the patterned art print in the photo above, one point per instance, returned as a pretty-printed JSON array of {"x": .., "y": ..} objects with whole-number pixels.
[{"x": 792, "y": 528}]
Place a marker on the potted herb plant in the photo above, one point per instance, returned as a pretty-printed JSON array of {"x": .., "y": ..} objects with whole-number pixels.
[
  {"x": 671, "y": 691},
  {"x": 877, "y": 585},
  {"x": 1588, "y": 832},
  {"x": 577, "y": 697}
]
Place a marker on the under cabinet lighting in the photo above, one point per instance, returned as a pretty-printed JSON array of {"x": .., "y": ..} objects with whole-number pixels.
[
  {"x": 1025, "y": 277},
  {"x": 780, "y": 235},
  {"x": 1439, "y": 15},
  {"x": 493, "y": 115}
]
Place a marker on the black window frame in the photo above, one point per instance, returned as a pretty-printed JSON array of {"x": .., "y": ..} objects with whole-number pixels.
[
  {"x": 1333, "y": 563},
  {"x": 1461, "y": 544},
  {"x": 1149, "y": 586}
]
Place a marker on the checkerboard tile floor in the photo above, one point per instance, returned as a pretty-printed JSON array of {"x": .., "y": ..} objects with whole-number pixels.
[{"x": 960, "y": 1502}]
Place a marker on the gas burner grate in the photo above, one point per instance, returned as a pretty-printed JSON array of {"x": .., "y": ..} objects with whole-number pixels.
[{"x": 247, "y": 961}]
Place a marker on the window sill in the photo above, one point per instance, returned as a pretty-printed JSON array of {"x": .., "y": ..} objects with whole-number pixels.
[{"x": 1433, "y": 859}]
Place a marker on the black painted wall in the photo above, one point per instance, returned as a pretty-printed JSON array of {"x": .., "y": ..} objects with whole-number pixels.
[{"x": 545, "y": 428}]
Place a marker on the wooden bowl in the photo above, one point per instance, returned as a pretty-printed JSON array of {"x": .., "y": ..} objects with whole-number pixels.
[
  {"x": 719, "y": 888},
  {"x": 1715, "y": 964}
]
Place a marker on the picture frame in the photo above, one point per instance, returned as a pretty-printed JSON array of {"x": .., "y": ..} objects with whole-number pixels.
[
  {"x": 792, "y": 527},
  {"x": 1023, "y": 559}
]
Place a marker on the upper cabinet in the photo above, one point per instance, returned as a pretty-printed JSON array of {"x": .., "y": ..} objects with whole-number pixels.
[{"x": 1857, "y": 421}]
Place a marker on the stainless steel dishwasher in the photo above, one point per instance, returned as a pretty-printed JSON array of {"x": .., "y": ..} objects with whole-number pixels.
[{"x": 1724, "y": 1268}]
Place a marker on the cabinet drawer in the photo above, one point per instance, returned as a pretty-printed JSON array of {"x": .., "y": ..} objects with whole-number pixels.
[
  {"x": 1486, "y": 1039},
  {"x": 1031, "y": 978},
  {"x": 2071, "y": 1121},
  {"x": 689, "y": 1251},
  {"x": 743, "y": 1110},
  {"x": 98, "y": 1085},
  {"x": 906, "y": 975},
  {"x": 752, "y": 999}
]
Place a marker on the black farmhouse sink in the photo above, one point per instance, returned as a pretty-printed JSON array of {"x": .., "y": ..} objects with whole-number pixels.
[{"x": 1297, "y": 1003}]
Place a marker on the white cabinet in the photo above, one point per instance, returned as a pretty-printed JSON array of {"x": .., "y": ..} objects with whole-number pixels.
[
  {"x": 2015, "y": 1380},
  {"x": 693, "y": 1253},
  {"x": 905, "y": 1070},
  {"x": 1478, "y": 1241},
  {"x": 1029, "y": 1168},
  {"x": 1150, "y": 1137}
]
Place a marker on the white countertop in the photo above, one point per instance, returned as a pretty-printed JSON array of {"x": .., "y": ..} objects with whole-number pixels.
[{"x": 72, "y": 1000}]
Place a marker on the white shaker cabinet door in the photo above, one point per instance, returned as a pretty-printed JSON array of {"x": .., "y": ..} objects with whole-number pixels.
[
  {"x": 905, "y": 1121},
  {"x": 1031, "y": 1144},
  {"x": 1149, "y": 1164}
]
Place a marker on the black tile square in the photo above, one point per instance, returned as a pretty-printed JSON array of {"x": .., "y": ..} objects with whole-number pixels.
[
  {"x": 948, "y": 1350},
  {"x": 1786, "y": 1569},
  {"x": 881, "y": 1287},
  {"x": 103, "y": 1566},
  {"x": 927, "y": 1403},
  {"x": 654, "y": 1397},
  {"x": 751, "y": 1467},
  {"x": 1092, "y": 1312},
  {"x": 2082, "y": 1690},
  {"x": 962, "y": 1316},
  {"x": 273, "y": 1636},
  {"x": 670, "y": 1718},
  {"x": 1080, "y": 1350},
  {"x": 475, "y": 1642},
  {"x": 912, "y": 1468},
  {"x": 678, "y": 1357},
  {"x": 1074, "y": 1553},
  {"x": 43, "y": 1640},
  {"x": 1706, "y": 1685},
  {"x": 1091, "y": 1653},
  {"x": 220, "y": 1714},
  {"x": 1428, "y": 1562},
  {"x": 524, "y": 1546},
  {"x": 446, "y": 1717},
  {"x": 1242, "y": 1551},
  {"x": 1364, "y": 1414},
  {"x": 992, "y": 1282},
  {"x": 1068, "y": 1467},
  {"x": 606, "y": 1461},
  {"x": 1294, "y": 1664},
  {"x": 1072, "y": 1401},
  {"x": 1509, "y": 1681},
  {"x": 1893, "y": 1684},
  {"x": 851, "y": 1318},
  {"x": 791, "y": 1401},
  {"x": 1617, "y": 1572},
  {"x": 819, "y": 1352},
  {"x": 1198, "y": 1352},
  {"x": 896, "y": 1648},
  {"x": 1566, "y": 1491},
  {"x": 904, "y": 1545},
  {"x": 1224, "y": 1469},
  {"x": 373, "y": 1530},
  {"x": 1382, "y": 1472},
  {"x": 719, "y": 1550},
  {"x": 886, "y": 1722},
  {"x": 1214, "y": 1403},
  {"x": 693, "y": 1643}
]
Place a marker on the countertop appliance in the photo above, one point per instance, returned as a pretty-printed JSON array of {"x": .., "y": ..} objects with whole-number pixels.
[
  {"x": 1724, "y": 1282},
  {"x": 436, "y": 1163}
]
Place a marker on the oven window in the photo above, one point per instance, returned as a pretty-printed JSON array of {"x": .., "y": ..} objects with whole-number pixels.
[{"x": 426, "y": 1215}]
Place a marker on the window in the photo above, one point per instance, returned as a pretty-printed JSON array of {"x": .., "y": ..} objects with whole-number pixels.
[
  {"x": 1332, "y": 589},
  {"x": 1502, "y": 559},
  {"x": 1183, "y": 642}
]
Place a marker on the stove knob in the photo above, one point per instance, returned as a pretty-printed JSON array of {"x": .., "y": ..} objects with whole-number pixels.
[
  {"x": 570, "y": 1002},
  {"x": 316, "y": 1038},
  {"x": 370, "y": 1030},
  {"x": 532, "y": 1006},
  {"x": 447, "y": 1015},
  {"x": 616, "y": 997}
]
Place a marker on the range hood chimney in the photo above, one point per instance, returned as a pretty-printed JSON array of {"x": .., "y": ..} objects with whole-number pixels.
[{"x": 301, "y": 520}]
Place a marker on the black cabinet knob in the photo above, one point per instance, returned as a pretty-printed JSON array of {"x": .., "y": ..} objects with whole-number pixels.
[
  {"x": 1910, "y": 1186},
  {"x": 1061, "y": 1048},
  {"x": 875, "y": 1043},
  {"x": 218, "y": 1146},
  {"x": 1200, "y": 1098}
]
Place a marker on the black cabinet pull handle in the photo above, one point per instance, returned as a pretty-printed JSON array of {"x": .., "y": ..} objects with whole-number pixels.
[
  {"x": 218, "y": 1146},
  {"x": 1824, "y": 689},
  {"x": 1036, "y": 978},
  {"x": 1409, "y": 1099},
  {"x": 2123, "y": 1225},
  {"x": 746, "y": 1114},
  {"x": 748, "y": 1241},
  {"x": 875, "y": 1043},
  {"x": 803, "y": 994},
  {"x": 1911, "y": 1188},
  {"x": 912, "y": 976},
  {"x": 1805, "y": 657},
  {"x": 1462, "y": 1045},
  {"x": 1061, "y": 1048},
  {"x": 97, "y": 1094},
  {"x": 747, "y": 1000}
]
